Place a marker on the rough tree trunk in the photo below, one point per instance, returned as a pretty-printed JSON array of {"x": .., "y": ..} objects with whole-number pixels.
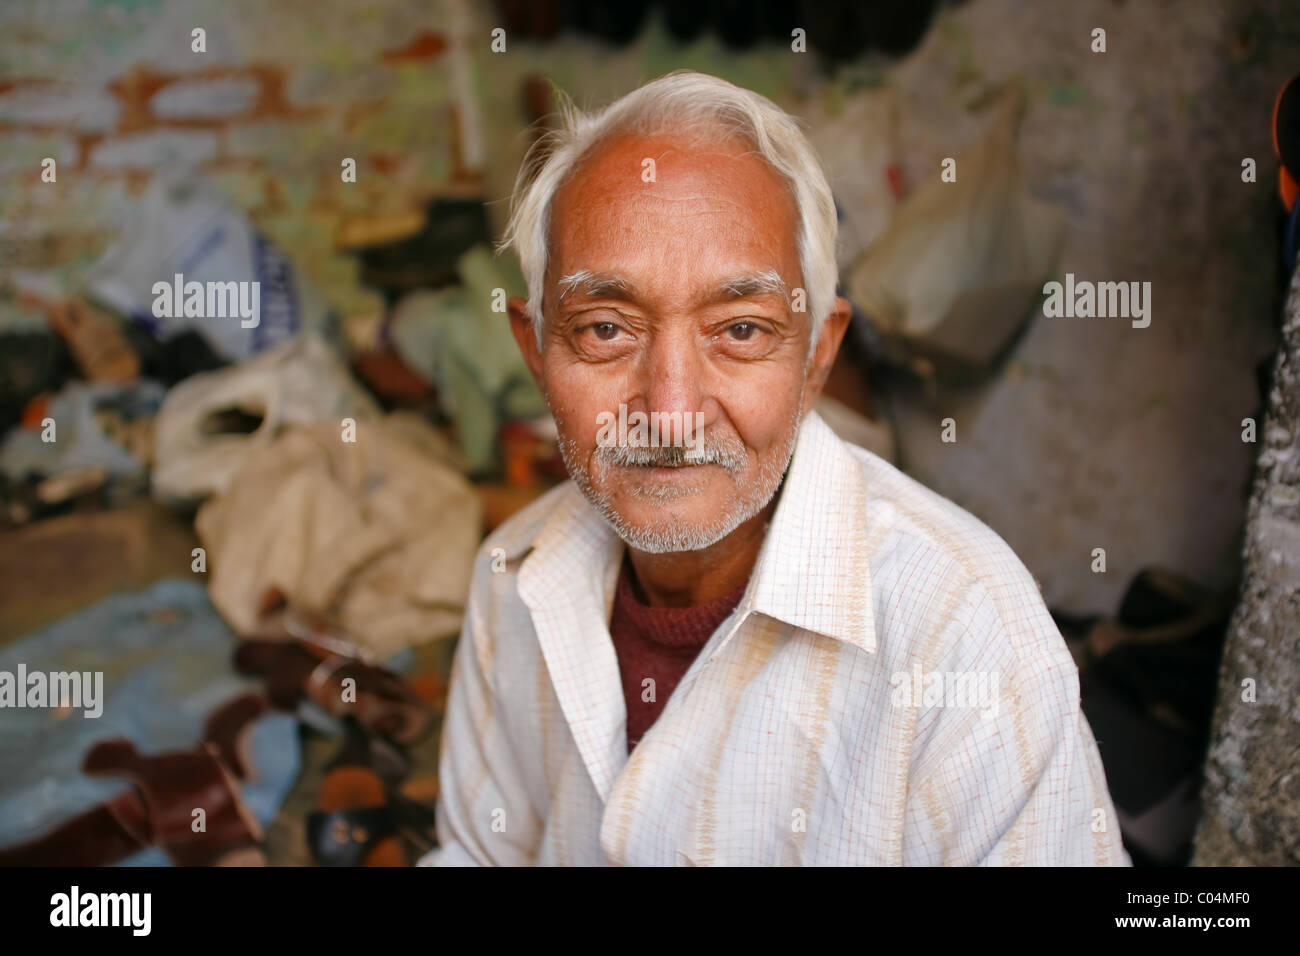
[{"x": 1252, "y": 774}]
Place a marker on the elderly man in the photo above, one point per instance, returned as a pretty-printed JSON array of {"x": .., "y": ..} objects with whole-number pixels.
[{"x": 747, "y": 642}]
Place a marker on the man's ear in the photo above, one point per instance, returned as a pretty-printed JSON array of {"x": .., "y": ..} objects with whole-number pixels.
[
  {"x": 521, "y": 326},
  {"x": 828, "y": 346}
]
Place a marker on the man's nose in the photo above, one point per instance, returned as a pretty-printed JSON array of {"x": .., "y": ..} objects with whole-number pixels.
[{"x": 673, "y": 375}]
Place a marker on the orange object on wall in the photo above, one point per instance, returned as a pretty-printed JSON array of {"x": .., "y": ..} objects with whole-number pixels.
[{"x": 1287, "y": 188}]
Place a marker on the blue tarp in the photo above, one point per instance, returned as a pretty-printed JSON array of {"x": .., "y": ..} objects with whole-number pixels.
[{"x": 166, "y": 658}]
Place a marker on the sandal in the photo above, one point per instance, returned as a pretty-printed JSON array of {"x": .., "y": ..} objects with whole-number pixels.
[
  {"x": 160, "y": 809},
  {"x": 297, "y": 669}
]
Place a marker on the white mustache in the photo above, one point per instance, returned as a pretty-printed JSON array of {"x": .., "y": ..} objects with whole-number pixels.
[{"x": 726, "y": 453}]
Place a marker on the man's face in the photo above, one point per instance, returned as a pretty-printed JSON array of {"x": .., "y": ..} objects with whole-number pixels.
[{"x": 674, "y": 296}]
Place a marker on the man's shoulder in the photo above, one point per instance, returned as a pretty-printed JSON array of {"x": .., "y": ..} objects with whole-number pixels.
[
  {"x": 900, "y": 505},
  {"x": 930, "y": 548},
  {"x": 953, "y": 592}
]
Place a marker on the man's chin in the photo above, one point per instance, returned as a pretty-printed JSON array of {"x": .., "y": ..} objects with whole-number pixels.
[
  {"x": 662, "y": 537},
  {"x": 668, "y": 510},
  {"x": 660, "y": 526},
  {"x": 658, "y": 520}
]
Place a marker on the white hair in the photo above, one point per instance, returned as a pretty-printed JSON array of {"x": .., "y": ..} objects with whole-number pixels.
[{"x": 698, "y": 105}]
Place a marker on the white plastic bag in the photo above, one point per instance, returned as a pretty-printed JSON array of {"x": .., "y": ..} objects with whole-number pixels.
[
  {"x": 184, "y": 228},
  {"x": 300, "y": 383},
  {"x": 962, "y": 264}
]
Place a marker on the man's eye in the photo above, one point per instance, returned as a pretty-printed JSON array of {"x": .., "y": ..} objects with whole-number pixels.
[
  {"x": 605, "y": 330},
  {"x": 743, "y": 331}
]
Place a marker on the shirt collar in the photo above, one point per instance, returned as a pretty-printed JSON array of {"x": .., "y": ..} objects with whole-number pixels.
[
  {"x": 567, "y": 582},
  {"x": 813, "y": 571}
]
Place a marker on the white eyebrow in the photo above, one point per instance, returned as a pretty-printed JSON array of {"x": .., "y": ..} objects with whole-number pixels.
[
  {"x": 737, "y": 287},
  {"x": 593, "y": 284},
  {"x": 756, "y": 284}
]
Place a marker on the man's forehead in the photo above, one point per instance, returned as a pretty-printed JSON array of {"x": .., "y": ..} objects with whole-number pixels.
[
  {"x": 725, "y": 229},
  {"x": 665, "y": 181},
  {"x": 675, "y": 152}
]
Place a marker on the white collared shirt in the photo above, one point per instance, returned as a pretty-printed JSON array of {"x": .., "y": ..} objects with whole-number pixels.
[{"x": 890, "y": 690}]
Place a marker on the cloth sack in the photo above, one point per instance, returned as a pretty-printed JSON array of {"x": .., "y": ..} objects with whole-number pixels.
[{"x": 378, "y": 535}]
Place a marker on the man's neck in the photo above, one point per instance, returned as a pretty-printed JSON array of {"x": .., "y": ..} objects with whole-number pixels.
[{"x": 691, "y": 578}]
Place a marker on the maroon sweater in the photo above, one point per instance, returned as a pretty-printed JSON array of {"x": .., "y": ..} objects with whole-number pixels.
[{"x": 659, "y": 643}]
